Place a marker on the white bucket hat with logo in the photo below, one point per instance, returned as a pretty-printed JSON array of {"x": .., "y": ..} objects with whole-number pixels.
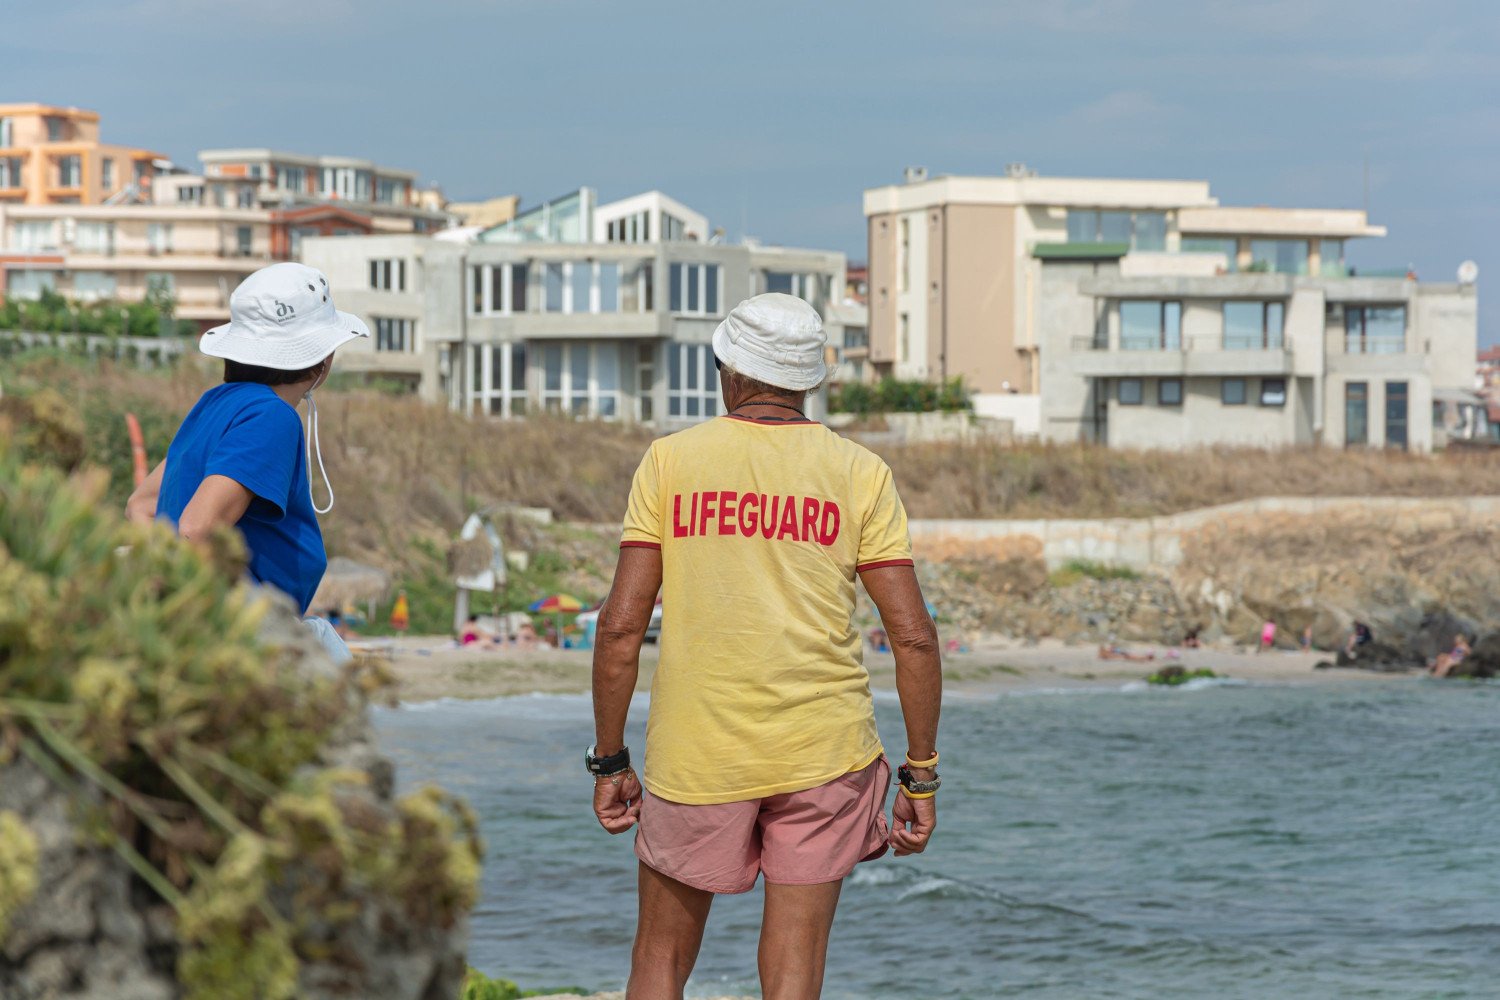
[
  {"x": 282, "y": 317},
  {"x": 776, "y": 339}
]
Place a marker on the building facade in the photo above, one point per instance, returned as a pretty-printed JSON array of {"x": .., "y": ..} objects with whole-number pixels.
[
  {"x": 524, "y": 319},
  {"x": 53, "y": 156},
  {"x": 1142, "y": 314}
]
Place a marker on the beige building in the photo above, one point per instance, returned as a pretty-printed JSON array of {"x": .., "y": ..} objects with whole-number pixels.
[
  {"x": 487, "y": 213},
  {"x": 594, "y": 311},
  {"x": 1143, "y": 314},
  {"x": 53, "y": 156}
]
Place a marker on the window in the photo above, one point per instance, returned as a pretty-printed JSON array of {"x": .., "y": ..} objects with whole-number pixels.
[
  {"x": 634, "y": 228},
  {"x": 905, "y": 257},
  {"x": 1131, "y": 392},
  {"x": 672, "y": 228},
  {"x": 69, "y": 171},
  {"x": 1356, "y": 413},
  {"x": 609, "y": 287},
  {"x": 91, "y": 286},
  {"x": 388, "y": 275},
  {"x": 35, "y": 235},
  {"x": 390, "y": 191},
  {"x": 581, "y": 281},
  {"x": 1232, "y": 392},
  {"x": 1273, "y": 392},
  {"x": 54, "y": 129},
  {"x": 856, "y": 337},
  {"x": 395, "y": 334},
  {"x": 500, "y": 379},
  {"x": 1374, "y": 329},
  {"x": 1214, "y": 244},
  {"x": 498, "y": 289},
  {"x": 1141, "y": 230},
  {"x": 6, "y": 133},
  {"x": 1396, "y": 399},
  {"x": 28, "y": 284},
  {"x": 1169, "y": 392},
  {"x": 1331, "y": 259},
  {"x": 694, "y": 288},
  {"x": 692, "y": 382},
  {"x": 1279, "y": 256},
  {"x": 582, "y": 379},
  {"x": 107, "y": 173},
  {"x": 905, "y": 337},
  {"x": 246, "y": 197},
  {"x": 94, "y": 237},
  {"x": 190, "y": 194},
  {"x": 12, "y": 174},
  {"x": 811, "y": 288},
  {"x": 292, "y": 179},
  {"x": 1147, "y": 325},
  {"x": 552, "y": 288},
  {"x": 161, "y": 283},
  {"x": 1253, "y": 326},
  {"x": 243, "y": 240},
  {"x": 158, "y": 237}
]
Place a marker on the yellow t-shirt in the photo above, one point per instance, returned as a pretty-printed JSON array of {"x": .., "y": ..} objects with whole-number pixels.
[{"x": 761, "y": 687}]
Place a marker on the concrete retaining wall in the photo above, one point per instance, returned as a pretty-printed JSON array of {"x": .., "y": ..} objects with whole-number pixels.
[{"x": 1155, "y": 543}]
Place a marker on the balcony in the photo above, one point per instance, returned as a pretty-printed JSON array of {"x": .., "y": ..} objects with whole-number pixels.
[{"x": 1197, "y": 356}]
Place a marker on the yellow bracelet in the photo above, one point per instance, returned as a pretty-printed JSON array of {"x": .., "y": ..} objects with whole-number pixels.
[
  {"x": 915, "y": 795},
  {"x": 922, "y": 763}
]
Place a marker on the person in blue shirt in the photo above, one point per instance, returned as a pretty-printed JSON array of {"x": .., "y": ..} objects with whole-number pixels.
[{"x": 240, "y": 457}]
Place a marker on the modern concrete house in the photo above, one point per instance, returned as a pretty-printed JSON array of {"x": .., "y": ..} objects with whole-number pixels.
[
  {"x": 1143, "y": 314},
  {"x": 598, "y": 311}
]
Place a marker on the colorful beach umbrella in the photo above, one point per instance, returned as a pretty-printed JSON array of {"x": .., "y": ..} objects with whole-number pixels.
[{"x": 557, "y": 604}]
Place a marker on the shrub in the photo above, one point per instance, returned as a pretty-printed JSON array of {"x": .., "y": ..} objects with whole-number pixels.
[
  {"x": 1075, "y": 570},
  {"x": 897, "y": 396}
]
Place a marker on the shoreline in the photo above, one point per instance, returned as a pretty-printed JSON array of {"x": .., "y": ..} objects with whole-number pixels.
[{"x": 429, "y": 668}]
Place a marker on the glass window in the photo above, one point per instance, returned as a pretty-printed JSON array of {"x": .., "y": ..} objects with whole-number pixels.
[
  {"x": 648, "y": 302},
  {"x": 1232, "y": 392},
  {"x": 1279, "y": 256},
  {"x": 1150, "y": 231},
  {"x": 242, "y": 238},
  {"x": 11, "y": 171},
  {"x": 518, "y": 277},
  {"x": 29, "y": 284},
  {"x": 1395, "y": 414},
  {"x": 674, "y": 369},
  {"x": 1273, "y": 392},
  {"x": 1242, "y": 325},
  {"x": 552, "y": 279},
  {"x": 159, "y": 237},
  {"x": 69, "y": 171},
  {"x": 1214, "y": 244},
  {"x": 94, "y": 237},
  {"x": 552, "y": 367},
  {"x": 1169, "y": 392},
  {"x": 90, "y": 286},
  {"x": 1149, "y": 325},
  {"x": 161, "y": 283},
  {"x": 1356, "y": 413},
  {"x": 5, "y": 133},
  {"x": 675, "y": 294},
  {"x": 106, "y": 173},
  {"x": 779, "y": 282},
  {"x": 1114, "y": 227},
  {"x": 1083, "y": 225},
  {"x": 609, "y": 287},
  {"x": 1131, "y": 392},
  {"x": 476, "y": 285},
  {"x": 711, "y": 289},
  {"x": 1374, "y": 329},
  {"x": 694, "y": 277},
  {"x": 1275, "y": 315},
  {"x": 518, "y": 367},
  {"x": 583, "y": 283}
]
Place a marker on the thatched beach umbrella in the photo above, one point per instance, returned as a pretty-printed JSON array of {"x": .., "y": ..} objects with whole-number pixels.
[{"x": 350, "y": 582}]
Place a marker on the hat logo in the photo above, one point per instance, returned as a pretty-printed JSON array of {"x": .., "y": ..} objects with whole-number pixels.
[{"x": 283, "y": 310}]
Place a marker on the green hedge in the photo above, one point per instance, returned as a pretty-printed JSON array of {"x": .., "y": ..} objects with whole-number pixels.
[
  {"x": 51, "y": 313},
  {"x": 898, "y": 396}
]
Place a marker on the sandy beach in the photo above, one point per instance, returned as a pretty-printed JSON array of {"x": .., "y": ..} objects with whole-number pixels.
[{"x": 431, "y": 667}]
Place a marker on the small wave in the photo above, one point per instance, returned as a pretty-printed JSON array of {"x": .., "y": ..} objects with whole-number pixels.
[{"x": 532, "y": 705}]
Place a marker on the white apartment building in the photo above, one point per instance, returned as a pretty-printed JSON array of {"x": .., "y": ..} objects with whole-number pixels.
[
  {"x": 1143, "y": 314},
  {"x": 569, "y": 308}
]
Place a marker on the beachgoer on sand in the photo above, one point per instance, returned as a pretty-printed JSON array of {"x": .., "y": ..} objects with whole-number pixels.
[
  {"x": 241, "y": 458},
  {"x": 761, "y": 750},
  {"x": 1443, "y": 665},
  {"x": 1267, "y": 636},
  {"x": 1360, "y": 635}
]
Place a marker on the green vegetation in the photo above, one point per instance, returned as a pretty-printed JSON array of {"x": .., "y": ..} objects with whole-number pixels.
[
  {"x": 51, "y": 313},
  {"x": 1173, "y": 676},
  {"x": 478, "y": 986},
  {"x": 1075, "y": 570},
  {"x": 896, "y": 396},
  {"x": 135, "y": 673}
]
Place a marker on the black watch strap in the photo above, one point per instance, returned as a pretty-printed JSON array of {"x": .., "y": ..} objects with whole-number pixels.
[
  {"x": 903, "y": 775},
  {"x": 603, "y": 767}
]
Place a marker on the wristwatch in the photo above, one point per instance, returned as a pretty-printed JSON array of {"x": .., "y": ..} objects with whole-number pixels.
[
  {"x": 603, "y": 767},
  {"x": 903, "y": 775}
]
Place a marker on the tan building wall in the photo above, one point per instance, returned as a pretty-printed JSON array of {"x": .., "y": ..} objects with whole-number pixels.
[
  {"x": 30, "y": 128},
  {"x": 882, "y": 278},
  {"x": 976, "y": 320}
]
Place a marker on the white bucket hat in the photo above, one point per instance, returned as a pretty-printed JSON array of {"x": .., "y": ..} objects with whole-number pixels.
[
  {"x": 776, "y": 339},
  {"x": 282, "y": 317}
]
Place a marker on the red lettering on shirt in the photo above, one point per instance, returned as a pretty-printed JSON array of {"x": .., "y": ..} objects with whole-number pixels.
[
  {"x": 788, "y": 526},
  {"x": 679, "y": 530},
  {"x": 693, "y": 516},
  {"x": 726, "y": 512},
  {"x": 768, "y": 516},
  {"x": 748, "y": 504},
  {"x": 706, "y": 511},
  {"x": 829, "y": 532},
  {"x": 810, "y": 509}
]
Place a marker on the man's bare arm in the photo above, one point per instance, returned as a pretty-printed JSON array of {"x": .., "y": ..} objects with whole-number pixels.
[
  {"x": 623, "y": 621},
  {"x": 141, "y": 507},
  {"x": 914, "y": 641}
]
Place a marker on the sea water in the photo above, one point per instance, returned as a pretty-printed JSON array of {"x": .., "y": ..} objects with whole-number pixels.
[{"x": 1310, "y": 841}]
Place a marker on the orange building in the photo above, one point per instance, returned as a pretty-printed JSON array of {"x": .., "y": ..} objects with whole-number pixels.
[{"x": 52, "y": 156}]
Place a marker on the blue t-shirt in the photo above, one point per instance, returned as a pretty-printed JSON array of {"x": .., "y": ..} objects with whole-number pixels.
[{"x": 244, "y": 431}]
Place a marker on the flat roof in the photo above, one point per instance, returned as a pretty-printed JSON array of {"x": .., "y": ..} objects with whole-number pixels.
[
  {"x": 1345, "y": 223},
  {"x": 301, "y": 159},
  {"x": 1083, "y": 192}
]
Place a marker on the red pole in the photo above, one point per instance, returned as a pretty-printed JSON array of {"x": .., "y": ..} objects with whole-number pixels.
[{"x": 137, "y": 447}]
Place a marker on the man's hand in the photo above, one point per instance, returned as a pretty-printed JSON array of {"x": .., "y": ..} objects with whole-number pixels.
[
  {"x": 617, "y": 801},
  {"x": 914, "y": 821}
]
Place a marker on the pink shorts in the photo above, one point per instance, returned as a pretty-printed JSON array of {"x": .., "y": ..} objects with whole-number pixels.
[{"x": 796, "y": 838}]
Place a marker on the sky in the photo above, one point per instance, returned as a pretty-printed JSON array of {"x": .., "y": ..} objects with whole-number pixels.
[{"x": 772, "y": 117}]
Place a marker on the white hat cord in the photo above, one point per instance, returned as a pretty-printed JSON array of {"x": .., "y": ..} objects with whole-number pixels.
[{"x": 316, "y": 446}]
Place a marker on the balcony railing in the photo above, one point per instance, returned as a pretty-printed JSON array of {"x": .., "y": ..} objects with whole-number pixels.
[{"x": 1199, "y": 344}]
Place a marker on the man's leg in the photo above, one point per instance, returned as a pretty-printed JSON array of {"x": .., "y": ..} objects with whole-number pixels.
[
  {"x": 794, "y": 939},
  {"x": 667, "y": 936}
]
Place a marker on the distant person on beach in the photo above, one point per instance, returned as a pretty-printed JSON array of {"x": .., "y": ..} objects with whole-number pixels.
[
  {"x": 1114, "y": 651},
  {"x": 761, "y": 750},
  {"x": 1445, "y": 662},
  {"x": 1191, "y": 640},
  {"x": 1307, "y": 639},
  {"x": 1267, "y": 636},
  {"x": 240, "y": 458},
  {"x": 1360, "y": 635}
]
